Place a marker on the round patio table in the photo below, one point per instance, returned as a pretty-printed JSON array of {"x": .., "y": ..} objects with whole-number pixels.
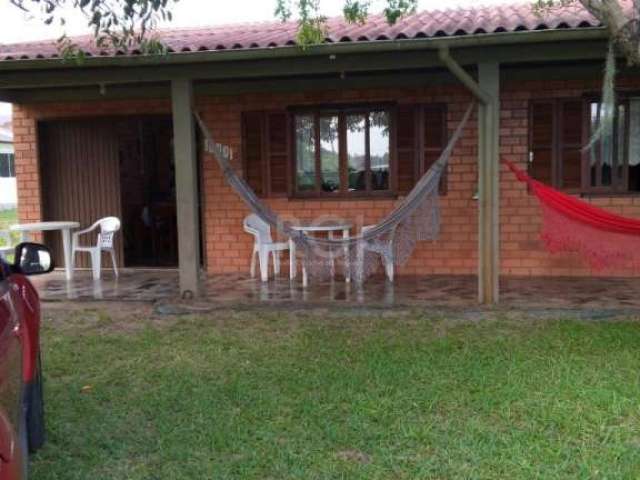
[
  {"x": 65, "y": 230},
  {"x": 327, "y": 227}
]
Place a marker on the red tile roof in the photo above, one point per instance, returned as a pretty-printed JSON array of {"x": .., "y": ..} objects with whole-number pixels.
[{"x": 436, "y": 23}]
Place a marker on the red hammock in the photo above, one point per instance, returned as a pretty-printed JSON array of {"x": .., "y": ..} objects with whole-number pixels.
[{"x": 603, "y": 239}]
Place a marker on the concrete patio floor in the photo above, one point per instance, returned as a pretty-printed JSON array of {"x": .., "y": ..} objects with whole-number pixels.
[{"x": 446, "y": 291}]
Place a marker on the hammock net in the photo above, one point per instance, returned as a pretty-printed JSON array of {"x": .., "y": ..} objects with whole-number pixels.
[
  {"x": 604, "y": 240},
  {"x": 415, "y": 218}
]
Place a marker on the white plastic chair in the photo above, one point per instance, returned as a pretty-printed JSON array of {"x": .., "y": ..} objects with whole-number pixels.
[
  {"x": 263, "y": 246},
  {"x": 108, "y": 226},
  {"x": 7, "y": 247},
  {"x": 384, "y": 249}
]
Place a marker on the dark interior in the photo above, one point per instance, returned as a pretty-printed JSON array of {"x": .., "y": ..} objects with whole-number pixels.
[{"x": 148, "y": 198}]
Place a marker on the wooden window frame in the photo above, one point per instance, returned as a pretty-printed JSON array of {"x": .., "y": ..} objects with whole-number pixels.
[
  {"x": 619, "y": 185},
  {"x": 259, "y": 161},
  {"x": 342, "y": 111}
]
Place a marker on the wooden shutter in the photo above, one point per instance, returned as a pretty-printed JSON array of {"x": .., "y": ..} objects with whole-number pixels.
[
  {"x": 277, "y": 153},
  {"x": 570, "y": 144},
  {"x": 555, "y": 142},
  {"x": 265, "y": 150},
  {"x": 252, "y": 150},
  {"x": 434, "y": 126},
  {"x": 406, "y": 148},
  {"x": 541, "y": 141}
]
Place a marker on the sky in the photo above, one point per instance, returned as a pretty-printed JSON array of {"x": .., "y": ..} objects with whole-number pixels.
[{"x": 19, "y": 27}]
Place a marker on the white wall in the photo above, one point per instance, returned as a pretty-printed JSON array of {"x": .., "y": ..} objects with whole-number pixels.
[
  {"x": 8, "y": 193},
  {"x": 8, "y": 186},
  {"x": 6, "y": 147}
]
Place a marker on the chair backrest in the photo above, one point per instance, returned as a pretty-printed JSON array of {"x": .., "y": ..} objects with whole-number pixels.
[
  {"x": 257, "y": 227},
  {"x": 109, "y": 226}
]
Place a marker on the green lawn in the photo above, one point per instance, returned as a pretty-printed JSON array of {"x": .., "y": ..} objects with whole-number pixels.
[
  {"x": 7, "y": 217},
  {"x": 339, "y": 395}
]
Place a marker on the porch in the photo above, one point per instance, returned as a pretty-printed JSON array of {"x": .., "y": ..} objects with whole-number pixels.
[{"x": 590, "y": 294}]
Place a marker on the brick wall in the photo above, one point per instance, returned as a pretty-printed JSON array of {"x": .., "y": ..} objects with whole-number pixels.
[{"x": 228, "y": 247}]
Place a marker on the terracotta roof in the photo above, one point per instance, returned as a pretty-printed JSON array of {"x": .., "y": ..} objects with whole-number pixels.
[{"x": 436, "y": 23}]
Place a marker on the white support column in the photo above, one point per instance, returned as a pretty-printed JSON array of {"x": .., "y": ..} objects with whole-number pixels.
[
  {"x": 184, "y": 144},
  {"x": 489, "y": 184}
]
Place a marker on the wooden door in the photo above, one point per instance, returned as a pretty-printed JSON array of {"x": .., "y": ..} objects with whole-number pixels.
[{"x": 79, "y": 171}]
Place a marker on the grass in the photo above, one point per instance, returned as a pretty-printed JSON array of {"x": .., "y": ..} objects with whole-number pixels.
[
  {"x": 322, "y": 395},
  {"x": 8, "y": 217}
]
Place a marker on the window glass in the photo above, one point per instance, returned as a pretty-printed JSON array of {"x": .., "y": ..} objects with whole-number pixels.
[
  {"x": 594, "y": 153},
  {"x": 343, "y": 152},
  {"x": 5, "y": 165},
  {"x": 379, "y": 141},
  {"x": 601, "y": 155},
  {"x": 329, "y": 154},
  {"x": 621, "y": 134},
  {"x": 305, "y": 153},
  {"x": 634, "y": 144},
  {"x": 357, "y": 152}
]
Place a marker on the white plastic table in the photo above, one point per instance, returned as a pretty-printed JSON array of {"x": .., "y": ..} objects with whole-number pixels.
[
  {"x": 329, "y": 228},
  {"x": 65, "y": 229}
]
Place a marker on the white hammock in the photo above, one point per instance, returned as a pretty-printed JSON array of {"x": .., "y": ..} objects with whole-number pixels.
[{"x": 415, "y": 218}]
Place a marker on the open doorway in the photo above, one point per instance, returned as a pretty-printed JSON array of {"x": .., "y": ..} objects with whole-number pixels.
[
  {"x": 113, "y": 166},
  {"x": 148, "y": 196}
]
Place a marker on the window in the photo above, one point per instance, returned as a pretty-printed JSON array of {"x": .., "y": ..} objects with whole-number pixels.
[
  {"x": 612, "y": 163},
  {"x": 7, "y": 165},
  {"x": 560, "y": 130},
  {"x": 342, "y": 152}
]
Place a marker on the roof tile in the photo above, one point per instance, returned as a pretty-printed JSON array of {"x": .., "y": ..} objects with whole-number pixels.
[{"x": 435, "y": 23}]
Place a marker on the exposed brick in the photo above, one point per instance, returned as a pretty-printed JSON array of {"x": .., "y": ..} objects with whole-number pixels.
[{"x": 228, "y": 248}]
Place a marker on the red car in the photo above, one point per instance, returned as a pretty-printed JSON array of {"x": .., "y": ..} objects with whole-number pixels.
[{"x": 21, "y": 396}]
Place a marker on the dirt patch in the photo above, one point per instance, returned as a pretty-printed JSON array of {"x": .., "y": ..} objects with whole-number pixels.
[
  {"x": 353, "y": 456},
  {"x": 286, "y": 319}
]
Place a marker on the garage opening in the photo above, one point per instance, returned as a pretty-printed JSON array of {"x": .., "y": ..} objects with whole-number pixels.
[{"x": 92, "y": 168}]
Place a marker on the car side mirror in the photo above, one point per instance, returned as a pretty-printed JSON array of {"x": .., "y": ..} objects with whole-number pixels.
[{"x": 32, "y": 259}]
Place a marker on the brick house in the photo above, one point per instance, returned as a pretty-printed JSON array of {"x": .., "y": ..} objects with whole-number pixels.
[{"x": 110, "y": 135}]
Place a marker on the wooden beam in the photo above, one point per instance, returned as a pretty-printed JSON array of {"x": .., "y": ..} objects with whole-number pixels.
[
  {"x": 187, "y": 200},
  {"x": 462, "y": 75},
  {"x": 419, "y": 78},
  {"x": 412, "y": 78},
  {"x": 489, "y": 185}
]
